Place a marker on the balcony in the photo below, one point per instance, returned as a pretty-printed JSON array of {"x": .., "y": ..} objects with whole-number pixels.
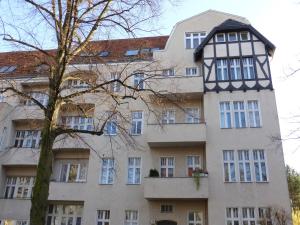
[
  {"x": 178, "y": 84},
  {"x": 175, "y": 188},
  {"x": 67, "y": 191},
  {"x": 178, "y": 134},
  {"x": 24, "y": 112},
  {"x": 10, "y": 208}
]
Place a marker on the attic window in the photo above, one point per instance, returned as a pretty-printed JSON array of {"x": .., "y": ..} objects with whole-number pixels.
[
  {"x": 220, "y": 37},
  {"x": 86, "y": 54},
  {"x": 103, "y": 53},
  {"x": 154, "y": 49},
  {"x": 232, "y": 36},
  {"x": 131, "y": 52},
  {"x": 145, "y": 50},
  {"x": 7, "y": 69},
  {"x": 244, "y": 36}
]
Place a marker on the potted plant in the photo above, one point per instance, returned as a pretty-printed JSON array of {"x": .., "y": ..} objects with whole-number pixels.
[
  {"x": 153, "y": 173},
  {"x": 197, "y": 173}
]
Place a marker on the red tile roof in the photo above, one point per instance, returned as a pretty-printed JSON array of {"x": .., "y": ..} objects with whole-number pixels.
[{"x": 27, "y": 61}]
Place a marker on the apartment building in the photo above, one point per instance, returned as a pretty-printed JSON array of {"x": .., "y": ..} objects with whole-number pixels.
[{"x": 209, "y": 149}]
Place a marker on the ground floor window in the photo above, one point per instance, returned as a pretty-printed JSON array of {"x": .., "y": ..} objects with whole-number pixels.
[
  {"x": 64, "y": 214},
  {"x": 103, "y": 217},
  {"x": 131, "y": 217},
  {"x": 195, "y": 218},
  {"x": 14, "y": 222}
]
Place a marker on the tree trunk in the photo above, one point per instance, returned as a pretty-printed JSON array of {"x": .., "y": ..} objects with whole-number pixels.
[{"x": 39, "y": 201}]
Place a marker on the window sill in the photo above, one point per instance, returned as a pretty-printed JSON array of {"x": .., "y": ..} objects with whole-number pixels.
[
  {"x": 133, "y": 184},
  {"x": 106, "y": 184}
]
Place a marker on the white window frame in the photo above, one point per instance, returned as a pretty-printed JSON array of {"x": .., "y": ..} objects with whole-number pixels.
[
  {"x": 192, "y": 115},
  {"x": 78, "y": 83},
  {"x": 139, "y": 81},
  {"x": 244, "y": 32},
  {"x": 14, "y": 184},
  {"x": 195, "y": 221},
  {"x": 168, "y": 116},
  {"x": 248, "y": 68},
  {"x": 244, "y": 165},
  {"x": 136, "y": 170},
  {"x": 191, "y": 71},
  {"x": 39, "y": 96},
  {"x": 259, "y": 160},
  {"x": 225, "y": 115},
  {"x": 254, "y": 114},
  {"x": 168, "y": 72},
  {"x": 81, "y": 167},
  {"x": 194, "y": 37},
  {"x": 167, "y": 166},
  {"x": 222, "y": 66},
  {"x": 264, "y": 216},
  {"x": 235, "y": 35},
  {"x": 111, "y": 125},
  {"x": 2, "y": 97},
  {"x": 235, "y": 69},
  {"x": 192, "y": 163},
  {"x": 137, "y": 122},
  {"x": 78, "y": 122},
  {"x": 248, "y": 215},
  {"x": 115, "y": 86},
  {"x": 27, "y": 139},
  {"x": 232, "y": 215},
  {"x": 103, "y": 217},
  {"x": 58, "y": 214},
  {"x": 229, "y": 166},
  {"x": 223, "y": 38},
  {"x": 107, "y": 171},
  {"x": 239, "y": 112},
  {"x": 131, "y": 217}
]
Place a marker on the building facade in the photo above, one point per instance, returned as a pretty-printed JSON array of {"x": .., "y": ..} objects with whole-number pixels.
[{"x": 203, "y": 154}]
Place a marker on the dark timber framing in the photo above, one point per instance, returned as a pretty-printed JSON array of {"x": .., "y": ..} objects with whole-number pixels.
[{"x": 261, "y": 63}]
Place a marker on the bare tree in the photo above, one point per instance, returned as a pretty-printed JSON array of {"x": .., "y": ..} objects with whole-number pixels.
[{"x": 73, "y": 24}]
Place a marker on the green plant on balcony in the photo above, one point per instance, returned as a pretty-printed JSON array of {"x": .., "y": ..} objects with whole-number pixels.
[
  {"x": 197, "y": 174},
  {"x": 153, "y": 173}
]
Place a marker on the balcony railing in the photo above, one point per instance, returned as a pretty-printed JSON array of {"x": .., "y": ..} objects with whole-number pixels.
[
  {"x": 176, "y": 134},
  {"x": 67, "y": 191},
  {"x": 175, "y": 188}
]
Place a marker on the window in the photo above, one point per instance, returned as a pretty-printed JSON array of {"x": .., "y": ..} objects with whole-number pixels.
[
  {"x": 235, "y": 69},
  {"x": 168, "y": 116},
  {"x": 225, "y": 115},
  {"x": 22, "y": 222},
  {"x": 115, "y": 86},
  {"x": 229, "y": 166},
  {"x": 232, "y": 216},
  {"x": 264, "y": 216},
  {"x": 220, "y": 37},
  {"x": 260, "y": 167},
  {"x": 239, "y": 113},
  {"x": 64, "y": 214},
  {"x": 191, "y": 71},
  {"x": 103, "y": 53},
  {"x": 7, "y": 69},
  {"x": 107, "y": 171},
  {"x": 192, "y": 115},
  {"x": 248, "y": 216},
  {"x": 73, "y": 172},
  {"x": 27, "y": 139},
  {"x": 136, "y": 122},
  {"x": 195, "y": 218},
  {"x": 111, "y": 124},
  {"x": 244, "y": 36},
  {"x": 232, "y": 36},
  {"x": 193, "y": 40},
  {"x": 103, "y": 217},
  {"x": 14, "y": 222},
  {"x": 168, "y": 72},
  {"x": 40, "y": 97},
  {"x": 166, "y": 208},
  {"x": 2, "y": 98},
  {"x": 222, "y": 69},
  {"x": 78, "y": 122},
  {"x": 167, "y": 166},
  {"x": 248, "y": 68},
  {"x": 18, "y": 187},
  {"x": 134, "y": 170},
  {"x": 132, "y": 52},
  {"x": 254, "y": 114},
  {"x": 138, "y": 80},
  {"x": 244, "y": 165},
  {"x": 193, "y": 163},
  {"x": 131, "y": 217},
  {"x": 77, "y": 83}
]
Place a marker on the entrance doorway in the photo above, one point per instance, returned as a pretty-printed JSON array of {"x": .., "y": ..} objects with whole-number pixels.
[{"x": 166, "y": 222}]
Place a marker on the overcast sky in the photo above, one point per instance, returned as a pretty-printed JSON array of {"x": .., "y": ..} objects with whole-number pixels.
[{"x": 279, "y": 21}]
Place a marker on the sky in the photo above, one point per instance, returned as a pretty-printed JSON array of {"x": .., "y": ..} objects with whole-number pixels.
[{"x": 279, "y": 21}]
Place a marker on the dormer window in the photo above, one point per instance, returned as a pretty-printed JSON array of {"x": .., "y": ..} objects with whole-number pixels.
[
  {"x": 193, "y": 40},
  {"x": 244, "y": 36},
  {"x": 132, "y": 52},
  {"x": 103, "y": 53},
  {"x": 220, "y": 37},
  {"x": 7, "y": 69},
  {"x": 232, "y": 36}
]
